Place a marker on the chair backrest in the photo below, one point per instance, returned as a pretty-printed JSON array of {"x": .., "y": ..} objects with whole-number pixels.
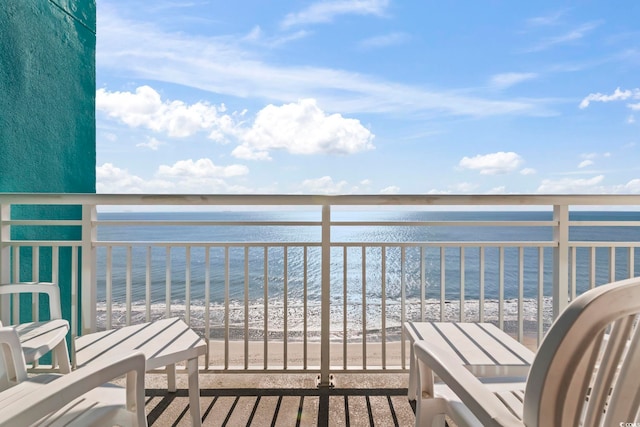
[
  {"x": 50, "y": 289},
  {"x": 587, "y": 369}
]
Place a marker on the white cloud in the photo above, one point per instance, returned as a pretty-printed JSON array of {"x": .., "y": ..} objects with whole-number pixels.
[
  {"x": 385, "y": 40},
  {"x": 505, "y": 80},
  {"x": 634, "y": 107},
  {"x": 573, "y": 35},
  {"x": 201, "y": 168},
  {"x": 631, "y": 119},
  {"x": 464, "y": 187},
  {"x": 568, "y": 185},
  {"x": 589, "y": 158},
  {"x": 632, "y": 186},
  {"x": 257, "y": 36},
  {"x": 498, "y": 190},
  {"x": 392, "y": 189},
  {"x": 229, "y": 66},
  {"x": 326, "y": 11},
  {"x": 111, "y": 179},
  {"x": 145, "y": 108},
  {"x": 324, "y": 185},
  {"x": 546, "y": 20},
  {"x": 168, "y": 180},
  {"x": 492, "y": 164},
  {"x": 152, "y": 144},
  {"x": 617, "y": 95},
  {"x": 528, "y": 171},
  {"x": 302, "y": 128}
]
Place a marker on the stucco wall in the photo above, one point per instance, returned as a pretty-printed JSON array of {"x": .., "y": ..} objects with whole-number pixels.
[
  {"x": 47, "y": 96},
  {"x": 47, "y": 116}
]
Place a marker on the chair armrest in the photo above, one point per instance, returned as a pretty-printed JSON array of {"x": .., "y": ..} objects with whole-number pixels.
[
  {"x": 15, "y": 365},
  {"x": 29, "y": 407},
  {"x": 48, "y": 288},
  {"x": 487, "y": 407}
]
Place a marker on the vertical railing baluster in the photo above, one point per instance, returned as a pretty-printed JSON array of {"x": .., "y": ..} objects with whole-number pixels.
[
  {"x": 612, "y": 264},
  {"x": 265, "y": 285},
  {"x": 592, "y": 268},
  {"x": 35, "y": 277},
  {"x": 345, "y": 307},
  {"x": 423, "y": 285},
  {"x": 128, "y": 286},
  {"x": 481, "y": 293},
  {"x": 364, "y": 307},
  {"x": 442, "y": 282},
  {"x": 574, "y": 272},
  {"x": 403, "y": 297},
  {"x": 631, "y": 262},
  {"x": 5, "y": 258},
  {"x": 187, "y": 285},
  {"x": 226, "y": 305},
  {"x": 383, "y": 303},
  {"x": 285, "y": 311},
  {"x": 560, "y": 258},
  {"x": 305, "y": 311},
  {"x": 167, "y": 279},
  {"x": 74, "y": 296},
  {"x": 540, "y": 295},
  {"x": 521, "y": 294},
  {"x": 108, "y": 285},
  {"x": 5, "y": 249},
  {"x": 325, "y": 308},
  {"x": 501, "y": 290},
  {"x": 147, "y": 286},
  {"x": 207, "y": 302},
  {"x": 462, "y": 264},
  {"x": 16, "y": 278},
  {"x": 246, "y": 308},
  {"x": 89, "y": 278},
  {"x": 35, "y": 305}
]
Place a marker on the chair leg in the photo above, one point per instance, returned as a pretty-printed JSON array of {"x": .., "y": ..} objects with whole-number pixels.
[
  {"x": 62, "y": 357},
  {"x": 430, "y": 412},
  {"x": 171, "y": 378}
]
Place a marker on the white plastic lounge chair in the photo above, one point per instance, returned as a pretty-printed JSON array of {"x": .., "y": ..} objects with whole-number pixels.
[
  {"x": 80, "y": 398},
  {"x": 584, "y": 373},
  {"x": 41, "y": 337}
]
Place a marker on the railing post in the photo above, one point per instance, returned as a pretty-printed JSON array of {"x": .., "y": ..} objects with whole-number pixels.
[
  {"x": 88, "y": 278},
  {"x": 5, "y": 258},
  {"x": 325, "y": 308},
  {"x": 560, "y": 259}
]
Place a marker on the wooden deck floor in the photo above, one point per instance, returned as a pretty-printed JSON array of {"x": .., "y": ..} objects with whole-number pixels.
[
  {"x": 280, "y": 407},
  {"x": 284, "y": 402}
]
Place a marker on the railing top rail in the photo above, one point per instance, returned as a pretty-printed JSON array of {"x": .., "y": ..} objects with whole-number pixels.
[{"x": 317, "y": 200}]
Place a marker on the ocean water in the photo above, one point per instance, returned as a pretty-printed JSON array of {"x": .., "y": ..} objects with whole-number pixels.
[{"x": 366, "y": 277}]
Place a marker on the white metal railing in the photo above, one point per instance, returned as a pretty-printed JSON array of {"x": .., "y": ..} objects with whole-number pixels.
[{"x": 322, "y": 299}]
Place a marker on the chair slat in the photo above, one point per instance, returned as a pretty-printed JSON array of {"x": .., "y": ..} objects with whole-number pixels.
[
  {"x": 625, "y": 396},
  {"x": 607, "y": 369}
]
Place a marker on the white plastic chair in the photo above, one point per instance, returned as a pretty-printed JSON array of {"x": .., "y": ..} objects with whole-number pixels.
[
  {"x": 585, "y": 372},
  {"x": 41, "y": 337},
  {"x": 79, "y": 398}
]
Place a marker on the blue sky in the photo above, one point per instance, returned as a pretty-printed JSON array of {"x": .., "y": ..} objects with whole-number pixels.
[{"x": 368, "y": 97}]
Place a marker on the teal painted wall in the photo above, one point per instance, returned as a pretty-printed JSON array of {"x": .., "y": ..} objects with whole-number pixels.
[{"x": 47, "y": 115}]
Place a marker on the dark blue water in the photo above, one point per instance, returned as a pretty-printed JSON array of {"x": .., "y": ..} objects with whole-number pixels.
[{"x": 401, "y": 274}]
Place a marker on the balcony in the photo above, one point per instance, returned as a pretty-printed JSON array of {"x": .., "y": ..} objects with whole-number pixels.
[{"x": 307, "y": 294}]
